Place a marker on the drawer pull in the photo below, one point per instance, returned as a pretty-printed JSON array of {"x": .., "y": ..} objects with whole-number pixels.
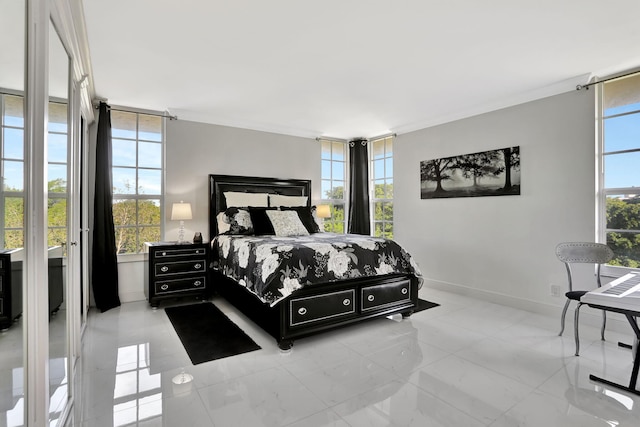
[
  {"x": 198, "y": 266},
  {"x": 346, "y": 302},
  {"x": 197, "y": 283},
  {"x": 371, "y": 298},
  {"x": 164, "y": 268},
  {"x": 302, "y": 311},
  {"x": 164, "y": 287},
  {"x": 404, "y": 291}
]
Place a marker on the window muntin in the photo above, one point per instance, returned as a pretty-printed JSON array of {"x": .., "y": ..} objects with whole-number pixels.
[
  {"x": 381, "y": 171},
  {"x": 137, "y": 174},
  {"x": 620, "y": 195},
  {"x": 334, "y": 171}
]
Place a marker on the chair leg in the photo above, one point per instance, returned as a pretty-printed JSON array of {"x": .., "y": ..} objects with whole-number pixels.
[
  {"x": 575, "y": 328},
  {"x": 564, "y": 313},
  {"x": 604, "y": 324}
]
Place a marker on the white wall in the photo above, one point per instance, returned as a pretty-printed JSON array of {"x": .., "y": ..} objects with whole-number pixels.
[
  {"x": 502, "y": 248},
  {"x": 195, "y": 150}
]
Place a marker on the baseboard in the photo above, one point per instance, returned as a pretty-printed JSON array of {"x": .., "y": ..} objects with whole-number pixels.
[{"x": 615, "y": 322}]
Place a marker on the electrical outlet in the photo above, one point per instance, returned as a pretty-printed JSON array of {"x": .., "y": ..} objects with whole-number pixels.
[{"x": 554, "y": 290}]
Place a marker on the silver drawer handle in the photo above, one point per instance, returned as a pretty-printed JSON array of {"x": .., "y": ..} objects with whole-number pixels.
[
  {"x": 198, "y": 266},
  {"x": 302, "y": 311},
  {"x": 164, "y": 287},
  {"x": 404, "y": 291},
  {"x": 197, "y": 283},
  {"x": 346, "y": 301},
  {"x": 371, "y": 298},
  {"x": 164, "y": 269}
]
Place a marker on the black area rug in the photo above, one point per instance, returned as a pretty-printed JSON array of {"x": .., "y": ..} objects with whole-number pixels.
[
  {"x": 424, "y": 305},
  {"x": 207, "y": 334}
]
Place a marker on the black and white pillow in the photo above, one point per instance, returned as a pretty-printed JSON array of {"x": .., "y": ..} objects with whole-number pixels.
[
  {"x": 235, "y": 221},
  {"x": 305, "y": 213},
  {"x": 287, "y": 223}
]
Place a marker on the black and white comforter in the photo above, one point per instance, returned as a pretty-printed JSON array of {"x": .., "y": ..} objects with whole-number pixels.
[{"x": 273, "y": 267}]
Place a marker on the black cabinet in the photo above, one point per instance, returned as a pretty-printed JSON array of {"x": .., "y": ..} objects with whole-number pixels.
[
  {"x": 10, "y": 289},
  {"x": 175, "y": 270}
]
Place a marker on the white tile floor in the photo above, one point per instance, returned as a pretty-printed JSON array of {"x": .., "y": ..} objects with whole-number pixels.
[{"x": 465, "y": 363}]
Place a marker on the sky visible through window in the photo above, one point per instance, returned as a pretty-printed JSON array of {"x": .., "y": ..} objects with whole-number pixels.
[{"x": 622, "y": 133}]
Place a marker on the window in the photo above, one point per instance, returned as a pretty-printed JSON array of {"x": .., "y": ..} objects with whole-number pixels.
[
  {"x": 137, "y": 174},
  {"x": 334, "y": 166},
  {"x": 381, "y": 173},
  {"x": 620, "y": 175},
  {"x": 57, "y": 175},
  {"x": 12, "y": 171}
]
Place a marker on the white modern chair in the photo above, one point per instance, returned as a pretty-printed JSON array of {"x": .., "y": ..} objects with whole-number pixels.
[{"x": 582, "y": 253}]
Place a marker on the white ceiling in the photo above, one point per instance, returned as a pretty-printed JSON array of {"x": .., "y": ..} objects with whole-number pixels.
[{"x": 349, "y": 68}]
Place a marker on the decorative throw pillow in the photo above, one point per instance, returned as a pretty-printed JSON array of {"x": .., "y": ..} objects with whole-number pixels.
[
  {"x": 234, "y": 221},
  {"x": 278, "y": 200},
  {"x": 306, "y": 216},
  {"x": 261, "y": 223},
  {"x": 287, "y": 223},
  {"x": 238, "y": 199}
]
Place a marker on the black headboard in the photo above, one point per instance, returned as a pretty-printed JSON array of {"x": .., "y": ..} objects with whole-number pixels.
[{"x": 218, "y": 184}]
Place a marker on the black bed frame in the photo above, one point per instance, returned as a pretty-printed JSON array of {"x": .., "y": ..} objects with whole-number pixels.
[{"x": 314, "y": 309}]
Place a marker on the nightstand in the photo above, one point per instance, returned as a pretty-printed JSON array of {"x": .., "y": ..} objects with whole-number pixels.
[{"x": 175, "y": 270}]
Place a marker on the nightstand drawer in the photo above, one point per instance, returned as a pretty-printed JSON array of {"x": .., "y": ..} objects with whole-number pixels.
[
  {"x": 180, "y": 267},
  {"x": 180, "y": 285},
  {"x": 168, "y": 253},
  {"x": 381, "y": 296}
]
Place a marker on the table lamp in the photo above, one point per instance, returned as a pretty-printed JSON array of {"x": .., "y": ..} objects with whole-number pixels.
[{"x": 180, "y": 212}]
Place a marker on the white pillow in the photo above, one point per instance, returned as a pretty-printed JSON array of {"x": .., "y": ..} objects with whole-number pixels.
[
  {"x": 288, "y": 201},
  {"x": 237, "y": 199},
  {"x": 287, "y": 223}
]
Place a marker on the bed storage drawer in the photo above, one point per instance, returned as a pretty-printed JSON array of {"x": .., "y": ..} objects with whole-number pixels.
[
  {"x": 386, "y": 295},
  {"x": 321, "y": 307},
  {"x": 180, "y": 285}
]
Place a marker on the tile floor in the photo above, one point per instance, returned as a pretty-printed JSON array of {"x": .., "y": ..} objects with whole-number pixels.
[{"x": 465, "y": 363}]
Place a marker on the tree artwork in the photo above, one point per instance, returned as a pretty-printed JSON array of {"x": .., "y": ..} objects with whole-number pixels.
[{"x": 487, "y": 173}]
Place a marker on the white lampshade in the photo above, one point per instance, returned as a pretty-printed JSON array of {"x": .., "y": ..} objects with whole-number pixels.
[
  {"x": 323, "y": 211},
  {"x": 181, "y": 211}
]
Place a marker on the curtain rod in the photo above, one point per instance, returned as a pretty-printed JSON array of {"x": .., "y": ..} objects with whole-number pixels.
[
  {"x": 124, "y": 110},
  {"x": 374, "y": 138},
  {"x": 586, "y": 86}
]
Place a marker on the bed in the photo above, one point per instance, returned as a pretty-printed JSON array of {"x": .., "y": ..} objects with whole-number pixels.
[{"x": 300, "y": 305}]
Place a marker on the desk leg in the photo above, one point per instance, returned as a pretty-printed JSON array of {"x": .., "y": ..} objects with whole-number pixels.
[{"x": 636, "y": 364}]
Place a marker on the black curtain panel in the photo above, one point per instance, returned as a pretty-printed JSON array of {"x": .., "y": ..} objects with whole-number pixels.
[
  {"x": 104, "y": 266},
  {"x": 359, "y": 221}
]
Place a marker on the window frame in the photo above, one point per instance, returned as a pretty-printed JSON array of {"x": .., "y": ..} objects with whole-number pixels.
[
  {"x": 138, "y": 197},
  {"x": 329, "y": 223},
  {"x": 4, "y": 193},
  {"x": 602, "y": 191},
  {"x": 372, "y": 183}
]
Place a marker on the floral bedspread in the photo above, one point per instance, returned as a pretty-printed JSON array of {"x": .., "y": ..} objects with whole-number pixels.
[{"x": 273, "y": 267}]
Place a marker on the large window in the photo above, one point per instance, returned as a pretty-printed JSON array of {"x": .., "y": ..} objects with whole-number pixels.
[
  {"x": 334, "y": 166},
  {"x": 137, "y": 155},
  {"x": 12, "y": 137},
  {"x": 12, "y": 172},
  {"x": 381, "y": 172},
  {"x": 620, "y": 195},
  {"x": 57, "y": 174}
]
